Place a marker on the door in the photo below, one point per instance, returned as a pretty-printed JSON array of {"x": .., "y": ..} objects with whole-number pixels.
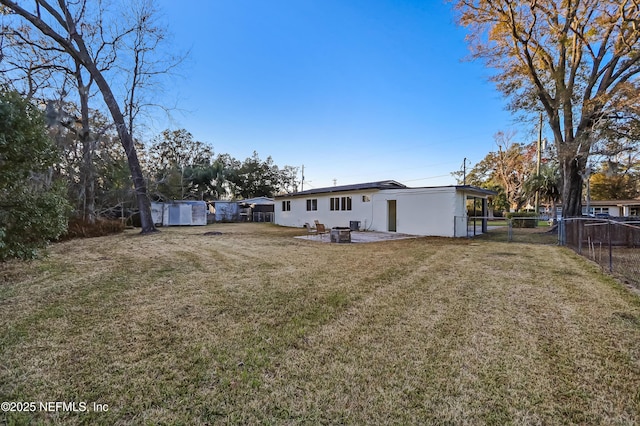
[
  {"x": 391, "y": 210},
  {"x": 174, "y": 214}
]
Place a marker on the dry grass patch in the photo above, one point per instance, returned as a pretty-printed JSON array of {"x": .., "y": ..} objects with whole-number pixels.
[{"x": 254, "y": 326}]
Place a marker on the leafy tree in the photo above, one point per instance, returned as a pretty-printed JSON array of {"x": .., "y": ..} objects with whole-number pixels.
[
  {"x": 182, "y": 167},
  {"x": 617, "y": 176},
  {"x": 32, "y": 210},
  {"x": 177, "y": 149},
  {"x": 257, "y": 178},
  {"x": 575, "y": 60},
  {"x": 618, "y": 186},
  {"x": 254, "y": 178},
  {"x": 205, "y": 182},
  {"x": 288, "y": 179}
]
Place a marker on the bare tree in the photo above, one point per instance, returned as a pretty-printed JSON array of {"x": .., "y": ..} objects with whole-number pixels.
[
  {"x": 575, "y": 60},
  {"x": 147, "y": 60},
  {"x": 66, "y": 24}
]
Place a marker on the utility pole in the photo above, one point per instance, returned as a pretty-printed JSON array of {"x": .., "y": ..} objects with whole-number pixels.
[
  {"x": 464, "y": 171},
  {"x": 539, "y": 160},
  {"x": 302, "y": 182}
]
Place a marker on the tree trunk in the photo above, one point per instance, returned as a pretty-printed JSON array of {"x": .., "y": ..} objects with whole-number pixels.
[
  {"x": 87, "y": 167},
  {"x": 88, "y": 178},
  {"x": 571, "y": 188},
  {"x": 142, "y": 198}
]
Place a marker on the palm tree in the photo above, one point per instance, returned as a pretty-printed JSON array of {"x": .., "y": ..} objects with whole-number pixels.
[{"x": 547, "y": 184}]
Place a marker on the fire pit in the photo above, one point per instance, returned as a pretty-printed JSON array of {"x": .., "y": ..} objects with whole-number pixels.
[{"x": 340, "y": 234}]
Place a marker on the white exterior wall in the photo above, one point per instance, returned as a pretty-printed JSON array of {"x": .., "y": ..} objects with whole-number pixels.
[
  {"x": 460, "y": 212},
  {"x": 438, "y": 211},
  {"x": 298, "y": 216},
  {"x": 610, "y": 209},
  {"x": 419, "y": 211}
]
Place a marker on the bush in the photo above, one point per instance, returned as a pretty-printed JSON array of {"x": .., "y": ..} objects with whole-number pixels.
[
  {"x": 523, "y": 219},
  {"x": 32, "y": 210},
  {"x": 79, "y": 228},
  {"x": 29, "y": 220}
]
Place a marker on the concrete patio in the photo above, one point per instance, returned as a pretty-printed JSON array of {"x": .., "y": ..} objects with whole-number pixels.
[{"x": 360, "y": 237}]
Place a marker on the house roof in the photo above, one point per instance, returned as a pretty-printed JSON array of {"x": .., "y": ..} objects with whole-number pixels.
[
  {"x": 612, "y": 203},
  {"x": 383, "y": 184}
]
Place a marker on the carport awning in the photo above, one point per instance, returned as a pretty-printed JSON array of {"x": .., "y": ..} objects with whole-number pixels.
[{"x": 476, "y": 191}]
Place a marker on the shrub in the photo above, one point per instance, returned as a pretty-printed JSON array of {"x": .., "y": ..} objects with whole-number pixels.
[
  {"x": 79, "y": 228},
  {"x": 32, "y": 210},
  {"x": 523, "y": 219}
]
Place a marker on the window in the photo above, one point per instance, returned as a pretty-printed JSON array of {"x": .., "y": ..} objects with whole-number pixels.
[
  {"x": 312, "y": 205},
  {"x": 340, "y": 203},
  {"x": 334, "y": 203},
  {"x": 345, "y": 203},
  {"x": 286, "y": 206},
  {"x": 596, "y": 210}
]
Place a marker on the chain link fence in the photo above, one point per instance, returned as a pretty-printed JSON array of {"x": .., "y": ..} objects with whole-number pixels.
[
  {"x": 614, "y": 244},
  {"x": 534, "y": 230}
]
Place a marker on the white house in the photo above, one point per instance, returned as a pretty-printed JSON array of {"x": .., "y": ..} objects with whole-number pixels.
[
  {"x": 616, "y": 208},
  {"x": 386, "y": 206}
]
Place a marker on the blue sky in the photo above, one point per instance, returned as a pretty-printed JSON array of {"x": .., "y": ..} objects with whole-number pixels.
[{"x": 355, "y": 90}]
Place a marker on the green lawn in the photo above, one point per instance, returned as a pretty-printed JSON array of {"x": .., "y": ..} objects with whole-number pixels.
[{"x": 254, "y": 326}]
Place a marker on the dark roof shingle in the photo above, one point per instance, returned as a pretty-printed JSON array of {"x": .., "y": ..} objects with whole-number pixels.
[{"x": 384, "y": 184}]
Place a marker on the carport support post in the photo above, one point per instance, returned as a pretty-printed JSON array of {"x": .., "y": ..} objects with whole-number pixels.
[
  {"x": 484, "y": 216},
  {"x": 475, "y": 215}
]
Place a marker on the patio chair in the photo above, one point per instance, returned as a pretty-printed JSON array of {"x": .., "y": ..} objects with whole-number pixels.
[
  {"x": 310, "y": 230},
  {"x": 320, "y": 229}
]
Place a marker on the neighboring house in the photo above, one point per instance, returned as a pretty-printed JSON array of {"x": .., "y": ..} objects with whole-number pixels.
[
  {"x": 178, "y": 213},
  {"x": 615, "y": 208},
  {"x": 386, "y": 206}
]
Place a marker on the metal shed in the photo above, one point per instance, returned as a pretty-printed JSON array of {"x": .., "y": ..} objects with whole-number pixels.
[
  {"x": 226, "y": 211},
  {"x": 179, "y": 213}
]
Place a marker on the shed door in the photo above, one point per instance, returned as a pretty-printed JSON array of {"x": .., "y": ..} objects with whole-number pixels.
[
  {"x": 174, "y": 214},
  {"x": 391, "y": 209}
]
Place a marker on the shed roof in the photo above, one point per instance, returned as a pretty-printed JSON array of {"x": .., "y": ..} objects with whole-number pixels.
[{"x": 257, "y": 200}]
